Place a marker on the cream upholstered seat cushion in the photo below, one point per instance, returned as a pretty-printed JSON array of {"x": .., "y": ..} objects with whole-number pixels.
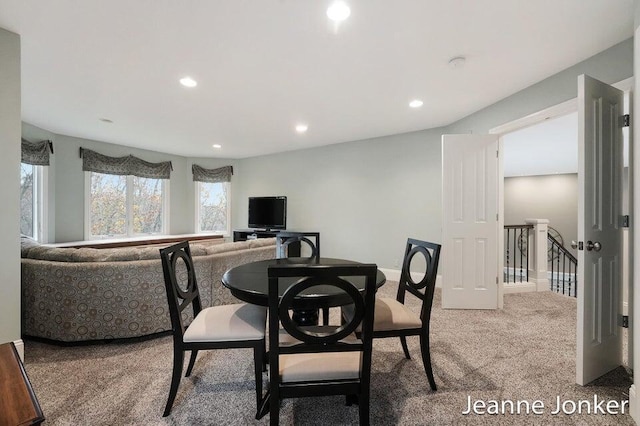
[
  {"x": 320, "y": 366},
  {"x": 389, "y": 315},
  {"x": 392, "y": 315},
  {"x": 228, "y": 323}
]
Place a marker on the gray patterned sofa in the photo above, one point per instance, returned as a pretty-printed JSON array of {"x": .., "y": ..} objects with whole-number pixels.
[{"x": 85, "y": 294}]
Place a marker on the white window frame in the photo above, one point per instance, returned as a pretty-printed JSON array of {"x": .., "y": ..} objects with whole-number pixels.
[
  {"x": 225, "y": 233},
  {"x": 128, "y": 210},
  {"x": 40, "y": 202}
]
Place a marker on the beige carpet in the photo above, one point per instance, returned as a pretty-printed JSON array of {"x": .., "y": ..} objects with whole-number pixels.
[{"x": 524, "y": 352}]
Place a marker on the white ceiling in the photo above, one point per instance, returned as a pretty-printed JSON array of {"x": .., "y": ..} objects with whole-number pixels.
[
  {"x": 550, "y": 147},
  {"x": 265, "y": 65}
]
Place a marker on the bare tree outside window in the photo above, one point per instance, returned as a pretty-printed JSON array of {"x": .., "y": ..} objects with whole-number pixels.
[
  {"x": 125, "y": 205},
  {"x": 213, "y": 207},
  {"x": 108, "y": 205},
  {"x": 27, "y": 211},
  {"x": 147, "y": 205}
]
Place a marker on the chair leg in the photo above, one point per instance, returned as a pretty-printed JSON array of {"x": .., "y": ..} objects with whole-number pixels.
[
  {"x": 274, "y": 409},
  {"x": 325, "y": 315},
  {"x": 363, "y": 408},
  {"x": 265, "y": 356},
  {"x": 426, "y": 359},
  {"x": 258, "y": 363},
  {"x": 263, "y": 408},
  {"x": 178, "y": 360},
  {"x": 192, "y": 361},
  {"x": 405, "y": 348},
  {"x": 351, "y": 399}
]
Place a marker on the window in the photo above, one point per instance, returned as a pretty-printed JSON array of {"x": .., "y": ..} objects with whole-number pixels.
[
  {"x": 124, "y": 206},
  {"x": 213, "y": 207},
  {"x": 32, "y": 199}
]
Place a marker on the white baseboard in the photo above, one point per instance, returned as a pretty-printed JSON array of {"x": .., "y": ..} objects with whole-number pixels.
[
  {"x": 391, "y": 274},
  {"x": 19, "y": 344},
  {"x": 542, "y": 284},
  {"x": 526, "y": 287}
]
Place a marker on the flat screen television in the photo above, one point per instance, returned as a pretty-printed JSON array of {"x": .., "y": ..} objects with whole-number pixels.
[{"x": 268, "y": 212}]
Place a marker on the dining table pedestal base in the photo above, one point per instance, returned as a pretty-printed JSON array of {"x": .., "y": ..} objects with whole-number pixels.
[{"x": 304, "y": 317}]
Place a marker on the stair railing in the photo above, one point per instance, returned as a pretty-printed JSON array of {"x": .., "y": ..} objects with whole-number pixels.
[
  {"x": 564, "y": 268},
  {"x": 538, "y": 262},
  {"x": 516, "y": 259}
]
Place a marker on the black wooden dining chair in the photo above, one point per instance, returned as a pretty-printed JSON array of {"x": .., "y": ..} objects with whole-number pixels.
[
  {"x": 394, "y": 319},
  {"x": 307, "y": 361},
  {"x": 285, "y": 238},
  {"x": 219, "y": 327},
  {"x": 283, "y": 241}
]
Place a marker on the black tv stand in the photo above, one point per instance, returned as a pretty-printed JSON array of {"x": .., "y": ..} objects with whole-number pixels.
[{"x": 252, "y": 234}]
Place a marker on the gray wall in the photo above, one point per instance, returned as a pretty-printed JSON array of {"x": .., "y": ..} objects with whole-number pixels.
[
  {"x": 553, "y": 197},
  {"x": 365, "y": 197},
  {"x": 10, "y": 188}
]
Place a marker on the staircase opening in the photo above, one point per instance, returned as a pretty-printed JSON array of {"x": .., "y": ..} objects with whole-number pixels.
[{"x": 541, "y": 182}]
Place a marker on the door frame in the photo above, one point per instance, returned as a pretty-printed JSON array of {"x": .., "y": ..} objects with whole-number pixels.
[
  {"x": 551, "y": 112},
  {"x": 558, "y": 110}
]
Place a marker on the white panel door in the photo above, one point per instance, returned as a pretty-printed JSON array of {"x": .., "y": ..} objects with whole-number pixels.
[
  {"x": 600, "y": 110},
  {"x": 470, "y": 222}
]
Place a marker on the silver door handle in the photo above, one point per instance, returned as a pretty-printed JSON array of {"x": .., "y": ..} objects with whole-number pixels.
[
  {"x": 574, "y": 244},
  {"x": 593, "y": 246}
]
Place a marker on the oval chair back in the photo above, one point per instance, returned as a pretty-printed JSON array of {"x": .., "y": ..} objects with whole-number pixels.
[{"x": 320, "y": 360}]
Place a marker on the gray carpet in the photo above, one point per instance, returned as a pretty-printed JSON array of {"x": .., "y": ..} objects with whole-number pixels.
[{"x": 524, "y": 352}]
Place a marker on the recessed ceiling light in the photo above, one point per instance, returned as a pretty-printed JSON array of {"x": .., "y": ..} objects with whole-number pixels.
[
  {"x": 301, "y": 128},
  {"x": 217, "y": 146},
  {"x": 416, "y": 103},
  {"x": 188, "y": 82},
  {"x": 106, "y": 120},
  {"x": 457, "y": 62},
  {"x": 338, "y": 11}
]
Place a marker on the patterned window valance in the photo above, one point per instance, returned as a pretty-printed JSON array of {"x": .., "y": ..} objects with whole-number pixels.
[
  {"x": 223, "y": 174},
  {"x": 36, "y": 153},
  {"x": 127, "y": 165}
]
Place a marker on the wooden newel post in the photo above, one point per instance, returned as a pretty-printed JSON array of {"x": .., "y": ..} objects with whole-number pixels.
[{"x": 538, "y": 265}]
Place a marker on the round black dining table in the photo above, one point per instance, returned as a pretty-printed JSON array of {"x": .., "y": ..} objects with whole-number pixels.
[{"x": 250, "y": 283}]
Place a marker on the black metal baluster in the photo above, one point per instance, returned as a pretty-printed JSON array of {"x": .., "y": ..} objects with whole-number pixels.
[
  {"x": 527, "y": 254},
  {"x": 507, "y": 244},
  {"x": 570, "y": 278},
  {"x": 556, "y": 270},
  {"x": 564, "y": 258},
  {"x": 553, "y": 259},
  {"x": 515, "y": 245},
  {"x": 552, "y": 276},
  {"x": 520, "y": 236}
]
